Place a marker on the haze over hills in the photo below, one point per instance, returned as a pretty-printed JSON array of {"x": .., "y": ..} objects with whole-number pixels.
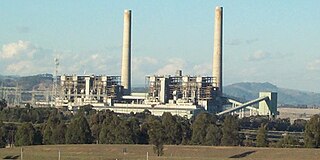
[
  {"x": 250, "y": 90},
  {"x": 243, "y": 91},
  {"x": 27, "y": 82}
]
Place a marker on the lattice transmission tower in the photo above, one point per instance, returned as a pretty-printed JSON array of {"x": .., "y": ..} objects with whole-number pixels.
[{"x": 55, "y": 80}]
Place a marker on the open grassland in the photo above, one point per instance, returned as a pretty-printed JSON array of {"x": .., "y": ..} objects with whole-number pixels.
[
  {"x": 139, "y": 152},
  {"x": 298, "y": 113}
]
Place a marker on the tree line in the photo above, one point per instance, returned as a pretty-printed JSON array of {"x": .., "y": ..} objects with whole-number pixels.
[
  {"x": 107, "y": 127},
  {"x": 36, "y": 126}
]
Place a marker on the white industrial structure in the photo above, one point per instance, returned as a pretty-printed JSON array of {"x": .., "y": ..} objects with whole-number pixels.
[
  {"x": 183, "y": 91},
  {"x": 77, "y": 90}
]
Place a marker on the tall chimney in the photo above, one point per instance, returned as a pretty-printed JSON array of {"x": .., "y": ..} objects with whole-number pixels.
[
  {"x": 217, "y": 50},
  {"x": 126, "y": 53}
]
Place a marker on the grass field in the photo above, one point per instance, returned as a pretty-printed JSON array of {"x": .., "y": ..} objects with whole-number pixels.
[
  {"x": 298, "y": 113},
  {"x": 139, "y": 152}
]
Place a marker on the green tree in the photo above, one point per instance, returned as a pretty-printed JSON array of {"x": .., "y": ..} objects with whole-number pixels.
[
  {"x": 116, "y": 131},
  {"x": 2, "y": 135},
  {"x": 54, "y": 130},
  {"x": 262, "y": 140},
  {"x": 298, "y": 125},
  {"x": 3, "y": 104},
  {"x": 86, "y": 109},
  {"x": 47, "y": 135},
  {"x": 95, "y": 130},
  {"x": 185, "y": 126},
  {"x": 279, "y": 124},
  {"x": 288, "y": 141},
  {"x": 144, "y": 137},
  {"x": 10, "y": 130},
  {"x": 199, "y": 128},
  {"x": 230, "y": 131},
  {"x": 24, "y": 116},
  {"x": 312, "y": 132},
  {"x": 156, "y": 136},
  {"x": 58, "y": 134},
  {"x": 123, "y": 132},
  {"x": 36, "y": 116},
  {"x": 213, "y": 136},
  {"x": 38, "y": 137},
  {"x": 78, "y": 131},
  {"x": 108, "y": 133},
  {"x": 96, "y": 121},
  {"x": 134, "y": 126},
  {"x": 143, "y": 115},
  {"x": 25, "y": 135},
  {"x": 171, "y": 128}
]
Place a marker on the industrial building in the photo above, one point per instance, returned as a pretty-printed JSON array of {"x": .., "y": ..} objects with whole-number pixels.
[
  {"x": 183, "y": 90},
  {"x": 78, "y": 90},
  {"x": 179, "y": 94}
]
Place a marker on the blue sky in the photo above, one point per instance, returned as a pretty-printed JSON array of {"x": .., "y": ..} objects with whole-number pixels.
[{"x": 264, "y": 41}]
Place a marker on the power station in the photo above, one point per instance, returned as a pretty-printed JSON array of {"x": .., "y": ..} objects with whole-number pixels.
[{"x": 179, "y": 94}]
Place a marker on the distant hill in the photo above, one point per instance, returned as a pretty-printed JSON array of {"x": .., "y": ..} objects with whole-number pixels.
[
  {"x": 27, "y": 82},
  {"x": 249, "y": 90},
  {"x": 139, "y": 90}
]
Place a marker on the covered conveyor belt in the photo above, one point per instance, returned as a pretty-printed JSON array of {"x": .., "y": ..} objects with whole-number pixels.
[
  {"x": 244, "y": 105},
  {"x": 239, "y": 104}
]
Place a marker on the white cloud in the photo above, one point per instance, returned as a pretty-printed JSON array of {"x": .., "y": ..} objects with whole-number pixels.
[
  {"x": 314, "y": 65},
  {"x": 142, "y": 63},
  {"x": 19, "y": 67},
  {"x": 202, "y": 69},
  {"x": 142, "y": 66},
  {"x": 12, "y": 50},
  {"x": 94, "y": 56},
  {"x": 97, "y": 63},
  {"x": 258, "y": 55},
  {"x": 24, "y": 58},
  {"x": 171, "y": 66}
]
